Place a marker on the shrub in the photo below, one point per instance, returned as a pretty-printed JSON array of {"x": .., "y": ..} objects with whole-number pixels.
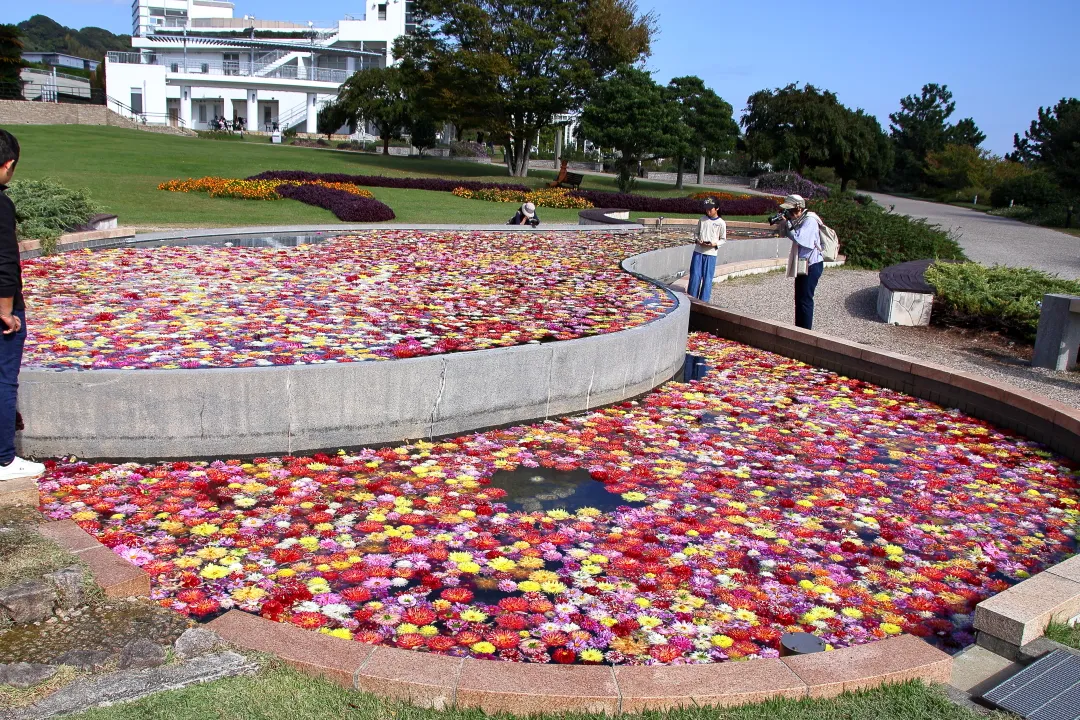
[
  {"x": 999, "y": 298},
  {"x": 1016, "y": 212},
  {"x": 545, "y": 197},
  {"x": 433, "y": 184},
  {"x": 468, "y": 149},
  {"x": 790, "y": 183},
  {"x": 46, "y": 209},
  {"x": 346, "y": 206},
  {"x": 750, "y": 205},
  {"x": 873, "y": 237},
  {"x": 1036, "y": 190}
]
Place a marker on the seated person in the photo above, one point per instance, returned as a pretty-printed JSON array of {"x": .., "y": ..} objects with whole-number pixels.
[{"x": 526, "y": 215}]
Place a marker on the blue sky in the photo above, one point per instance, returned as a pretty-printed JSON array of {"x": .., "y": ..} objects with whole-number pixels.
[{"x": 1002, "y": 60}]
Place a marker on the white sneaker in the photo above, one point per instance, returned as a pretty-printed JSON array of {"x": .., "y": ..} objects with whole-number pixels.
[{"x": 20, "y": 468}]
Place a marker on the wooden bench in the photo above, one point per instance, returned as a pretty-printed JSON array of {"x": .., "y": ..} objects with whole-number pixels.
[{"x": 567, "y": 179}]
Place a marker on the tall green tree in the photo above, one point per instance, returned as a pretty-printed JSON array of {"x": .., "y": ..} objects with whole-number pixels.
[
  {"x": 1052, "y": 143},
  {"x": 11, "y": 62},
  {"x": 706, "y": 124},
  {"x": 508, "y": 67},
  {"x": 332, "y": 117},
  {"x": 634, "y": 115},
  {"x": 376, "y": 96},
  {"x": 921, "y": 127},
  {"x": 792, "y": 126},
  {"x": 862, "y": 150}
]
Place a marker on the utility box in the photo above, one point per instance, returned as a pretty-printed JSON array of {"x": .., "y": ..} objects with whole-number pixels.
[{"x": 1058, "y": 340}]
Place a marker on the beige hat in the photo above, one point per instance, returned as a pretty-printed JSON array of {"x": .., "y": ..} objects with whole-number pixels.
[
  {"x": 529, "y": 209},
  {"x": 793, "y": 201}
]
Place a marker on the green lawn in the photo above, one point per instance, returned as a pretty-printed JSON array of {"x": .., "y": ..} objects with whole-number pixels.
[
  {"x": 1064, "y": 634},
  {"x": 278, "y": 693},
  {"x": 123, "y": 168}
]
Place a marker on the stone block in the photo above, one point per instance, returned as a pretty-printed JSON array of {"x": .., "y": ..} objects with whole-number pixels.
[
  {"x": 904, "y": 308},
  {"x": 309, "y": 652},
  {"x": 664, "y": 687},
  {"x": 529, "y": 689},
  {"x": 1068, "y": 569},
  {"x": 20, "y": 491},
  {"x": 24, "y": 675},
  {"x": 196, "y": 641},
  {"x": 116, "y": 577},
  {"x": 68, "y": 584},
  {"x": 1021, "y": 613},
  {"x": 28, "y": 601},
  {"x": 68, "y": 535},
  {"x": 1057, "y": 341},
  {"x": 417, "y": 678},
  {"x": 141, "y": 654},
  {"x": 893, "y": 660}
]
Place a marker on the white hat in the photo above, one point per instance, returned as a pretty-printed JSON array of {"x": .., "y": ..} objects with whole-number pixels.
[
  {"x": 529, "y": 209},
  {"x": 793, "y": 201}
]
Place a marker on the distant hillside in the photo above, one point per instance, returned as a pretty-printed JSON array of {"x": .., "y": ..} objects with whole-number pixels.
[{"x": 45, "y": 34}]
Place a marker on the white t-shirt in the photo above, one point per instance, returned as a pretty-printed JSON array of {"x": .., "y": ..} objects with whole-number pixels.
[{"x": 711, "y": 234}]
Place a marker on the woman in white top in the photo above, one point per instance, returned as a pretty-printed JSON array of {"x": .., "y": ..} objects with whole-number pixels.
[{"x": 711, "y": 234}]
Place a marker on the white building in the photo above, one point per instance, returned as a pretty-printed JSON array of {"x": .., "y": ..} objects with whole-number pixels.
[{"x": 192, "y": 62}]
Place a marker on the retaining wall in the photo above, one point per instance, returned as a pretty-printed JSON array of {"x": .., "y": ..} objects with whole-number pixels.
[{"x": 253, "y": 411}]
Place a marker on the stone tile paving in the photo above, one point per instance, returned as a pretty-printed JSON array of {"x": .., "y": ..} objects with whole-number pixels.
[{"x": 846, "y": 306}]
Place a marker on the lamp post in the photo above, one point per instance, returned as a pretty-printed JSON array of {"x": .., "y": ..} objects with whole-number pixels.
[{"x": 311, "y": 63}]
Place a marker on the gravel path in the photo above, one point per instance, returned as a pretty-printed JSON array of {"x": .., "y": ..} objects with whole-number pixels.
[
  {"x": 997, "y": 241},
  {"x": 846, "y": 306}
]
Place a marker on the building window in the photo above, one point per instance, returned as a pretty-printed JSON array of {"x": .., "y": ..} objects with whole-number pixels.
[
  {"x": 202, "y": 113},
  {"x": 231, "y": 63},
  {"x": 382, "y": 11},
  {"x": 205, "y": 68},
  {"x": 136, "y": 101},
  {"x": 175, "y": 67}
]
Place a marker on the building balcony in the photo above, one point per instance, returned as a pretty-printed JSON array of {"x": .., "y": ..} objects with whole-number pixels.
[{"x": 232, "y": 68}]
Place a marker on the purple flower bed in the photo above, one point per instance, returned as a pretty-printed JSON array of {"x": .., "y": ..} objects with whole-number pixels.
[
  {"x": 687, "y": 206},
  {"x": 789, "y": 183},
  {"x": 345, "y": 205},
  {"x": 382, "y": 181}
]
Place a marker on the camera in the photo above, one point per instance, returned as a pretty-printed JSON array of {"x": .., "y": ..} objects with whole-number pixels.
[
  {"x": 534, "y": 221},
  {"x": 782, "y": 215}
]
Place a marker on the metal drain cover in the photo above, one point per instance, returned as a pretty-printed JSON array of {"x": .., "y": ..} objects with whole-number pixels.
[{"x": 1048, "y": 689}]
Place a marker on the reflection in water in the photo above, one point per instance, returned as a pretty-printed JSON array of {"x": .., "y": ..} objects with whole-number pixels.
[
  {"x": 694, "y": 368},
  {"x": 279, "y": 240},
  {"x": 542, "y": 489}
]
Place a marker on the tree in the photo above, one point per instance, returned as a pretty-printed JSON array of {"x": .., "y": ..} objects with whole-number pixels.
[
  {"x": 706, "y": 125},
  {"x": 959, "y": 166},
  {"x": 332, "y": 116},
  {"x": 634, "y": 115},
  {"x": 1052, "y": 143},
  {"x": 422, "y": 131},
  {"x": 921, "y": 127},
  {"x": 11, "y": 62},
  {"x": 862, "y": 150},
  {"x": 376, "y": 96},
  {"x": 508, "y": 67},
  {"x": 793, "y": 126}
]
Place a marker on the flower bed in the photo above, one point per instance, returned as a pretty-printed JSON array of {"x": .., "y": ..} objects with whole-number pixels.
[
  {"x": 767, "y": 497},
  {"x": 755, "y": 205},
  {"x": 546, "y": 197},
  {"x": 369, "y": 296},
  {"x": 791, "y": 183},
  {"x": 251, "y": 189},
  {"x": 383, "y": 181},
  {"x": 347, "y": 205}
]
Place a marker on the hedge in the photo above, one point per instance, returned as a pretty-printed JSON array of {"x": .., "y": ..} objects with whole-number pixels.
[{"x": 1004, "y": 299}]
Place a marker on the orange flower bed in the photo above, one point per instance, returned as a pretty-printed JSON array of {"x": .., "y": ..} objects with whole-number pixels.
[{"x": 250, "y": 189}]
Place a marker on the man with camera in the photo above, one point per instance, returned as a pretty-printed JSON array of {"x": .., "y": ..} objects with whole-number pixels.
[
  {"x": 805, "y": 261},
  {"x": 526, "y": 215}
]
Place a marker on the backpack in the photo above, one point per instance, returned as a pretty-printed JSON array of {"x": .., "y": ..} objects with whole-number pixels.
[{"x": 830, "y": 243}]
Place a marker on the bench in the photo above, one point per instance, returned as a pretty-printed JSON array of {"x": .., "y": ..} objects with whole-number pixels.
[
  {"x": 568, "y": 179},
  {"x": 904, "y": 296},
  {"x": 1057, "y": 341}
]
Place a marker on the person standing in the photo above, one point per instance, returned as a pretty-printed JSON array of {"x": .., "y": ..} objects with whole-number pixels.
[
  {"x": 805, "y": 261},
  {"x": 12, "y": 320},
  {"x": 711, "y": 234}
]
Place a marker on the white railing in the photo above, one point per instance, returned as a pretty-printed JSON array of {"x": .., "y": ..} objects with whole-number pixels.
[{"x": 194, "y": 66}]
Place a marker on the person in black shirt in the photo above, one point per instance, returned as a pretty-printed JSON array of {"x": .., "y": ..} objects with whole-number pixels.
[
  {"x": 526, "y": 215},
  {"x": 12, "y": 320}
]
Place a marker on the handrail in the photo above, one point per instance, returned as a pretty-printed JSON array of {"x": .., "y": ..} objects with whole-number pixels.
[
  {"x": 232, "y": 67},
  {"x": 144, "y": 117}
]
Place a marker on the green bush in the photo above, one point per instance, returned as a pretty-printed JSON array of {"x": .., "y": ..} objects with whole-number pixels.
[
  {"x": 1005, "y": 299},
  {"x": 1016, "y": 212},
  {"x": 1036, "y": 190},
  {"x": 45, "y": 209},
  {"x": 873, "y": 237}
]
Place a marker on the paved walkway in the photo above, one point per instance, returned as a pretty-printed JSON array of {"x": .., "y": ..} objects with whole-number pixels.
[{"x": 992, "y": 240}]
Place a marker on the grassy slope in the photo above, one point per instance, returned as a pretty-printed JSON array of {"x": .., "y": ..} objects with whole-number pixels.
[
  {"x": 278, "y": 693},
  {"x": 123, "y": 167}
]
